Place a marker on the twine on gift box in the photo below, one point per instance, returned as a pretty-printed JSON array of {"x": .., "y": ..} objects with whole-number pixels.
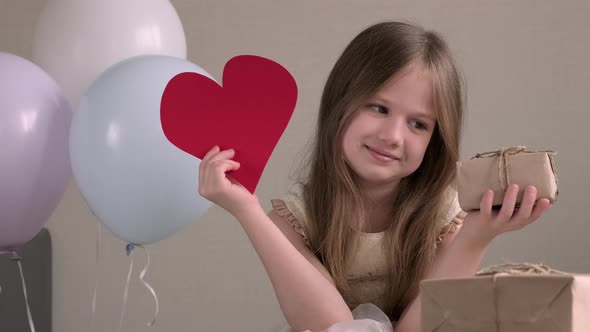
[
  {"x": 518, "y": 269},
  {"x": 512, "y": 269},
  {"x": 503, "y": 154},
  {"x": 16, "y": 258}
]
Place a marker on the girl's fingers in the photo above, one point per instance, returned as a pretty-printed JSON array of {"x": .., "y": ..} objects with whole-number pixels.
[
  {"x": 203, "y": 165},
  {"x": 213, "y": 167},
  {"x": 227, "y": 165},
  {"x": 211, "y": 152},
  {"x": 485, "y": 205},
  {"x": 521, "y": 218},
  {"x": 211, "y": 179},
  {"x": 541, "y": 206},
  {"x": 225, "y": 154},
  {"x": 507, "y": 209},
  {"x": 526, "y": 206}
]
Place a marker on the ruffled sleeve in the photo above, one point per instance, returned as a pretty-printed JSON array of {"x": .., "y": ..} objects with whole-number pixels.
[
  {"x": 292, "y": 209},
  {"x": 453, "y": 218}
]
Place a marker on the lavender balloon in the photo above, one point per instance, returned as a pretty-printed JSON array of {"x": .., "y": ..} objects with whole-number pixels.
[{"x": 34, "y": 157}]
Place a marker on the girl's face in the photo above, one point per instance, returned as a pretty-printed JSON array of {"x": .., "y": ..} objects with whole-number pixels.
[{"x": 388, "y": 136}]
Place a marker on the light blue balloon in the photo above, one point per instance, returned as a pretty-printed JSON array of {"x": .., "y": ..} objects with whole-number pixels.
[{"x": 138, "y": 184}]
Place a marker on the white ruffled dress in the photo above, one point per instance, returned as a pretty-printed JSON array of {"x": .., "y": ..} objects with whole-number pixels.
[{"x": 367, "y": 268}]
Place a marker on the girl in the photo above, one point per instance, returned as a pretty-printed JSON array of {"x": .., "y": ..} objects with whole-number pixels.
[{"x": 377, "y": 212}]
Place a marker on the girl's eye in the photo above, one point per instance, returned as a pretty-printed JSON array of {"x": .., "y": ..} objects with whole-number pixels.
[
  {"x": 379, "y": 109},
  {"x": 417, "y": 124}
]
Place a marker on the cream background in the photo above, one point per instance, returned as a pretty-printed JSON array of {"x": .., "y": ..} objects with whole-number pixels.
[{"x": 528, "y": 81}]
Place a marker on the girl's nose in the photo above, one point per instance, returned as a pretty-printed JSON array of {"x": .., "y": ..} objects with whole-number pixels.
[{"x": 391, "y": 132}]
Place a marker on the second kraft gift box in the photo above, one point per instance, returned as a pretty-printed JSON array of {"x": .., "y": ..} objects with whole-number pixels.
[{"x": 521, "y": 297}]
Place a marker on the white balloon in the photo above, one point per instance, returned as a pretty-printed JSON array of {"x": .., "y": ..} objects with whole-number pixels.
[{"x": 76, "y": 40}]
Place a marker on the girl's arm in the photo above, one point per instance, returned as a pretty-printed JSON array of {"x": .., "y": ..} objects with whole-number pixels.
[
  {"x": 461, "y": 252},
  {"x": 305, "y": 291}
]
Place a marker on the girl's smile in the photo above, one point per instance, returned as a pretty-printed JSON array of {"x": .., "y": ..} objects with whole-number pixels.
[{"x": 381, "y": 155}]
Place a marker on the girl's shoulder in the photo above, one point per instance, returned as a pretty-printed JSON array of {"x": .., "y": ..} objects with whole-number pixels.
[
  {"x": 452, "y": 215},
  {"x": 291, "y": 207},
  {"x": 452, "y": 208}
]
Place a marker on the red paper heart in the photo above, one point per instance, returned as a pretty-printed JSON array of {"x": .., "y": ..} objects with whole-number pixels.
[{"x": 249, "y": 113}]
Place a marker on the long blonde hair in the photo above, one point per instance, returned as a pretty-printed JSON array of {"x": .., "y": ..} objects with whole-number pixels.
[{"x": 331, "y": 193}]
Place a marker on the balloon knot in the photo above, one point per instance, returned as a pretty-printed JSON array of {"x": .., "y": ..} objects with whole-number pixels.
[
  {"x": 14, "y": 256},
  {"x": 129, "y": 248}
]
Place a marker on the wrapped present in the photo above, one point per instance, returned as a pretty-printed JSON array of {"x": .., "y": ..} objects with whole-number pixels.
[
  {"x": 496, "y": 170},
  {"x": 508, "y": 298}
]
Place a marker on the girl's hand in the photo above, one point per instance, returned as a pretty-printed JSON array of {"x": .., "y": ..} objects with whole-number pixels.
[
  {"x": 482, "y": 226},
  {"x": 221, "y": 190}
]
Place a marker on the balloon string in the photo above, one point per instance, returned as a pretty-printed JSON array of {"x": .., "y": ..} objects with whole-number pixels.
[
  {"x": 129, "y": 249},
  {"x": 94, "y": 293},
  {"x": 126, "y": 291},
  {"x": 148, "y": 286},
  {"x": 16, "y": 258}
]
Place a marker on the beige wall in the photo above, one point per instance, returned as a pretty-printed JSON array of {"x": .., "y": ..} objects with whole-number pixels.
[{"x": 527, "y": 83}]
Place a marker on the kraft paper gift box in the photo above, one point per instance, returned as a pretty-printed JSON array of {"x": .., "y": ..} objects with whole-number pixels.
[
  {"x": 495, "y": 170},
  {"x": 507, "y": 302}
]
